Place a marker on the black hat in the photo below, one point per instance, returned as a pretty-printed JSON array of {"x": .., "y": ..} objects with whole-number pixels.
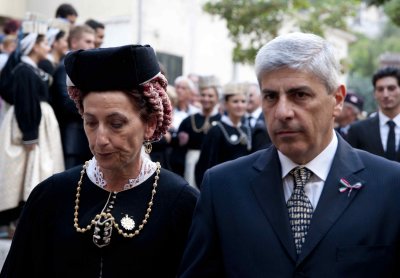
[
  {"x": 355, "y": 100},
  {"x": 113, "y": 68}
]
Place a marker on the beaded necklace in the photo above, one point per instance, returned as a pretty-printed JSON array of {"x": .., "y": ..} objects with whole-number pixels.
[
  {"x": 106, "y": 220},
  {"x": 204, "y": 128},
  {"x": 233, "y": 139}
]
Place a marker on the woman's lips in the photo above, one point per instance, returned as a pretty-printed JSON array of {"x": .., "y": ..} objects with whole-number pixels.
[{"x": 104, "y": 154}]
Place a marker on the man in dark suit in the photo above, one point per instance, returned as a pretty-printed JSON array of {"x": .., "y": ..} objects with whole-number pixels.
[
  {"x": 254, "y": 119},
  {"x": 75, "y": 144},
  {"x": 310, "y": 205},
  {"x": 380, "y": 134}
]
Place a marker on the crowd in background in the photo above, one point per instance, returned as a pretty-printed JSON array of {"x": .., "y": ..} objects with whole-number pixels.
[{"x": 212, "y": 122}]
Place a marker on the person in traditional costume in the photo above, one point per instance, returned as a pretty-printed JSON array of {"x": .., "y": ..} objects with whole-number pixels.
[
  {"x": 120, "y": 214},
  {"x": 30, "y": 142},
  {"x": 193, "y": 129},
  {"x": 184, "y": 88},
  {"x": 57, "y": 37},
  {"x": 228, "y": 138}
]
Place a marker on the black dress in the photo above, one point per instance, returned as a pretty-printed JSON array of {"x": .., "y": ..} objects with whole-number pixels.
[
  {"x": 30, "y": 88},
  {"x": 193, "y": 125},
  {"x": 222, "y": 143},
  {"x": 196, "y": 126},
  {"x": 20, "y": 169},
  {"x": 46, "y": 243}
]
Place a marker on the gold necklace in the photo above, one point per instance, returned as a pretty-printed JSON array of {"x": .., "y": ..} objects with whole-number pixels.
[
  {"x": 109, "y": 216},
  {"x": 204, "y": 128}
]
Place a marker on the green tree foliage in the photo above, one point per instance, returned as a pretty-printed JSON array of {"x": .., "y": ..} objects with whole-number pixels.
[
  {"x": 252, "y": 23},
  {"x": 391, "y": 8},
  {"x": 365, "y": 52},
  {"x": 364, "y": 57},
  {"x": 363, "y": 86}
]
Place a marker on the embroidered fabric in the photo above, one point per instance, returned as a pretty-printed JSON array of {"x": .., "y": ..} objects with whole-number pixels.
[{"x": 147, "y": 169}]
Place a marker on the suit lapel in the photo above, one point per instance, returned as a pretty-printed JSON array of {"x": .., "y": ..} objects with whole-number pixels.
[
  {"x": 333, "y": 203},
  {"x": 268, "y": 190},
  {"x": 376, "y": 137},
  {"x": 375, "y": 133}
]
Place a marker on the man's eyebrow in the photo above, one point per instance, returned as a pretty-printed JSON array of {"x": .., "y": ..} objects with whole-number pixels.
[
  {"x": 268, "y": 91},
  {"x": 300, "y": 88},
  {"x": 291, "y": 90}
]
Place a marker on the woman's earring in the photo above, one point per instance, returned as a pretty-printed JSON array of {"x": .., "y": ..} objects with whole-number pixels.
[{"x": 147, "y": 147}]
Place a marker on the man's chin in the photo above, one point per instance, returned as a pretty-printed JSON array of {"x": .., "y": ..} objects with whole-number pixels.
[{"x": 296, "y": 152}]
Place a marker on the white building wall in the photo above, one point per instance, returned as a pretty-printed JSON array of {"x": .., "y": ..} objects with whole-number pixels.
[
  {"x": 13, "y": 8},
  {"x": 178, "y": 27}
]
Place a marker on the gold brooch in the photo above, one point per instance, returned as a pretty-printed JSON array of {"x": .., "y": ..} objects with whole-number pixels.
[{"x": 127, "y": 222}]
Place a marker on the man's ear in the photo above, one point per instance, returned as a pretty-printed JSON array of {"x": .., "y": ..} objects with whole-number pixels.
[{"x": 339, "y": 96}]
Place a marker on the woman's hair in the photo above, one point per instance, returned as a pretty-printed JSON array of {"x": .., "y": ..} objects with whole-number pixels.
[
  {"x": 234, "y": 88},
  {"x": 151, "y": 101},
  {"x": 40, "y": 38},
  {"x": 60, "y": 35},
  {"x": 187, "y": 80}
]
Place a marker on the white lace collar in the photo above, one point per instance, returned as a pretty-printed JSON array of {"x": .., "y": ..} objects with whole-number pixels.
[{"x": 146, "y": 171}]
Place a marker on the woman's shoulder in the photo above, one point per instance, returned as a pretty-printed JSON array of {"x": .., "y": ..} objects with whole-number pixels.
[
  {"x": 70, "y": 174},
  {"x": 216, "y": 127},
  {"x": 175, "y": 184},
  {"x": 176, "y": 194},
  {"x": 171, "y": 179},
  {"x": 61, "y": 181},
  {"x": 22, "y": 68},
  {"x": 55, "y": 187}
]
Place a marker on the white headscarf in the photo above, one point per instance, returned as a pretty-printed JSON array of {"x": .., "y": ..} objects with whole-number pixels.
[
  {"x": 27, "y": 43},
  {"x": 51, "y": 35}
]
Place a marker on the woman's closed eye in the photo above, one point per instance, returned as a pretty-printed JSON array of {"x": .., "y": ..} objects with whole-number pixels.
[
  {"x": 90, "y": 123},
  {"x": 117, "y": 125}
]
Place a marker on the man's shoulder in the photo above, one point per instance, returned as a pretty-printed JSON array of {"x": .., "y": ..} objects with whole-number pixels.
[
  {"x": 365, "y": 122},
  {"x": 368, "y": 125},
  {"x": 378, "y": 164}
]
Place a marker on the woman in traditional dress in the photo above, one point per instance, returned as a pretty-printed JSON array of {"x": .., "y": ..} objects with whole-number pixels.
[
  {"x": 229, "y": 138},
  {"x": 193, "y": 129},
  {"x": 57, "y": 37},
  {"x": 58, "y": 41},
  {"x": 30, "y": 142},
  {"x": 119, "y": 215}
]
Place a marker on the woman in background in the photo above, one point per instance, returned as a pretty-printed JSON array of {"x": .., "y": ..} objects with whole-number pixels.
[
  {"x": 30, "y": 141},
  {"x": 229, "y": 138},
  {"x": 194, "y": 128}
]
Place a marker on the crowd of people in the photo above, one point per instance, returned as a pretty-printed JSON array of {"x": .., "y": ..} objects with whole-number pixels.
[
  {"x": 201, "y": 178},
  {"x": 42, "y": 131}
]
